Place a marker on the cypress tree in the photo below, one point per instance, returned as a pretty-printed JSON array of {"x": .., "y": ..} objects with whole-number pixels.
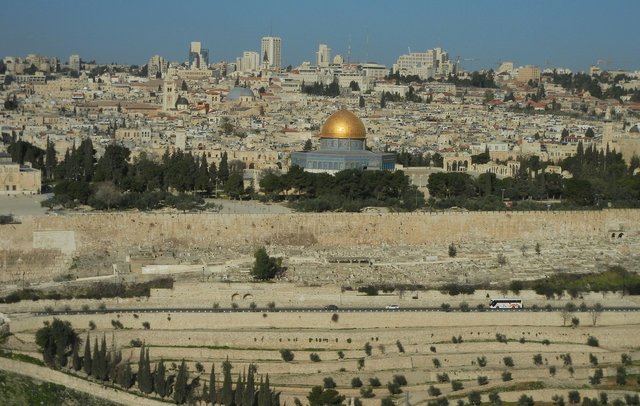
[
  {"x": 205, "y": 393},
  {"x": 159, "y": 379},
  {"x": 124, "y": 376},
  {"x": 223, "y": 170},
  {"x": 114, "y": 364},
  {"x": 264, "y": 395},
  {"x": 212, "y": 386},
  {"x": 86, "y": 360},
  {"x": 107, "y": 363},
  {"x": 75, "y": 358},
  {"x": 95, "y": 362},
  {"x": 249, "y": 395},
  {"x": 239, "y": 392},
  {"x": 50, "y": 160},
  {"x": 180, "y": 387},
  {"x": 105, "y": 360},
  {"x": 144, "y": 375},
  {"x": 226, "y": 393},
  {"x": 87, "y": 158}
]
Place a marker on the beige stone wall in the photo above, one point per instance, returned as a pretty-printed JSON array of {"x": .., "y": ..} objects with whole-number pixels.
[{"x": 126, "y": 233}]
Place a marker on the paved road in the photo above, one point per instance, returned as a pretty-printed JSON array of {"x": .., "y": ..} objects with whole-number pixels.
[{"x": 311, "y": 310}]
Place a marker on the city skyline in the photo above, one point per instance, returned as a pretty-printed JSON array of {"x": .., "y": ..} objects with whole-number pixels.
[{"x": 572, "y": 34}]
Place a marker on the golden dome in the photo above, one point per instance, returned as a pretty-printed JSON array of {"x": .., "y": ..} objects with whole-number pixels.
[{"x": 343, "y": 124}]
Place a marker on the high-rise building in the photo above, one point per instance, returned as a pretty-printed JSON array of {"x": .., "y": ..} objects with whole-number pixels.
[
  {"x": 271, "y": 52},
  {"x": 198, "y": 56},
  {"x": 424, "y": 64},
  {"x": 74, "y": 62},
  {"x": 323, "y": 56},
  {"x": 527, "y": 73},
  {"x": 157, "y": 65},
  {"x": 249, "y": 61}
]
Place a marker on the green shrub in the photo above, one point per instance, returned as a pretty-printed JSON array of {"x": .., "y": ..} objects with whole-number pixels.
[
  {"x": 508, "y": 361},
  {"x": 367, "y": 392},
  {"x": 574, "y": 397},
  {"x": 368, "y": 290},
  {"x": 456, "y": 385},
  {"x": 393, "y": 388},
  {"x": 537, "y": 359},
  {"x": 375, "y": 382},
  {"x": 287, "y": 355},
  {"x": 483, "y": 380},
  {"x": 433, "y": 391},
  {"x": 356, "y": 382},
  {"x": 400, "y": 380},
  {"x": 597, "y": 377},
  {"x": 506, "y": 376},
  {"x": 593, "y": 342},
  {"x": 314, "y": 357},
  {"x": 329, "y": 383},
  {"x": 443, "y": 377},
  {"x": 367, "y": 348}
]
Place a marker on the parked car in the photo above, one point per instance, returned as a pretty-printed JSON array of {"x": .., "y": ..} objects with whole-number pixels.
[
  {"x": 392, "y": 307},
  {"x": 331, "y": 307}
]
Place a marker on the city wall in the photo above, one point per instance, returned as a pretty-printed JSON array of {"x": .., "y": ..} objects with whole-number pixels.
[{"x": 56, "y": 237}]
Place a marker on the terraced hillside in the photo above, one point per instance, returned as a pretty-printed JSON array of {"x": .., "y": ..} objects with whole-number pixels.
[{"x": 429, "y": 349}]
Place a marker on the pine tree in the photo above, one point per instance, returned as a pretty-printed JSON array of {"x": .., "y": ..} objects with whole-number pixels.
[
  {"x": 86, "y": 360},
  {"x": 227, "y": 389},
  {"x": 212, "y": 386},
  {"x": 159, "y": 379},
  {"x": 75, "y": 359},
  {"x": 180, "y": 387}
]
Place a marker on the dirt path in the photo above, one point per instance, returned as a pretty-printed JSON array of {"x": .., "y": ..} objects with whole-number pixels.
[{"x": 94, "y": 389}]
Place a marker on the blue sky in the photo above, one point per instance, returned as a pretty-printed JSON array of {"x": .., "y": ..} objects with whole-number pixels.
[{"x": 565, "y": 33}]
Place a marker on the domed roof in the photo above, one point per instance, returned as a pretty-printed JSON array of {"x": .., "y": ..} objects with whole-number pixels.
[
  {"x": 237, "y": 92},
  {"x": 343, "y": 124}
]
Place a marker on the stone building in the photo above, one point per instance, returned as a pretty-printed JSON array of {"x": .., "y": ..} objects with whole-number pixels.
[
  {"x": 18, "y": 179},
  {"x": 343, "y": 145}
]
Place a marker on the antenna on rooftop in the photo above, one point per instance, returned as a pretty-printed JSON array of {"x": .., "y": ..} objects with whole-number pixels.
[{"x": 349, "y": 51}]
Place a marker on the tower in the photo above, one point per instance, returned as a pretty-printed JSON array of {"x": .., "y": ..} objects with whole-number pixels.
[
  {"x": 74, "y": 62},
  {"x": 271, "y": 52},
  {"x": 169, "y": 94},
  {"x": 198, "y": 56},
  {"x": 323, "y": 56}
]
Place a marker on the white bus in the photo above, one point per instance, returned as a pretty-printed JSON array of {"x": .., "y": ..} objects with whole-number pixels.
[{"x": 506, "y": 304}]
